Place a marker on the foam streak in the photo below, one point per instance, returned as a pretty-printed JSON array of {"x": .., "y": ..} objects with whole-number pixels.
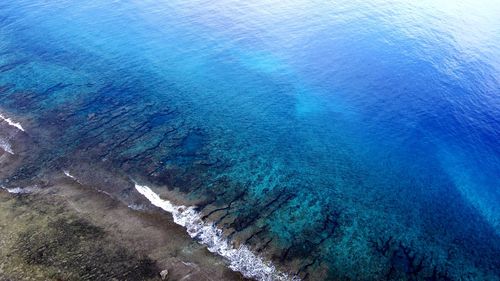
[
  {"x": 19, "y": 190},
  {"x": 66, "y": 173},
  {"x": 11, "y": 123}
]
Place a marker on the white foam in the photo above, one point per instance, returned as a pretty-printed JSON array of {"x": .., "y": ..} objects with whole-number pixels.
[
  {"x": 19, "y": 190},
  {"x": 66, "y": 172},
  {"x": 11, "y": 123},
  {"x": 5, "y": 145},
  {"x": 136, "y": 207},
  {"x": 241, "y": 259}
]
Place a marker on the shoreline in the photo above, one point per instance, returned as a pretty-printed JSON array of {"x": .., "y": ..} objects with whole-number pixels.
[
  {"x": 142, "y": 234},
  {"x": 216, "y": 256}
]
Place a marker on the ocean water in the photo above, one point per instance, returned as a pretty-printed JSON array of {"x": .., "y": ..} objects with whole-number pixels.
[{"x": 339, "y": 140}]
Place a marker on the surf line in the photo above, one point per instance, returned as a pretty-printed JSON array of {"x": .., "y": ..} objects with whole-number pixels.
[
  {"x": 4, "y": 143},
  {"x": 11, "y": 123},
  {"x": 19, "y": 190},
  {"x": 241, "y": 259}
]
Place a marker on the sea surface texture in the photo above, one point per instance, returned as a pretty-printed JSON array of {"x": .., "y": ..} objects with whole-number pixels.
[{"x": 340, "y": 140}]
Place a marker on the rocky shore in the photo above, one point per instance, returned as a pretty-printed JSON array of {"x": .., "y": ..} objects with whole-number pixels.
[
  {"x": 54, "y": 227},
  {"x": 69, "y": 232}
]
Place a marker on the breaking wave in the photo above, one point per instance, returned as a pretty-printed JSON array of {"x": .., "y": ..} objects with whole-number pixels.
[
  {"x": 4, "y": 143},
  {"x": 11, "y": 123},
  {"x": 19, "y": 190},
  {"x": 241, "y": 259}
]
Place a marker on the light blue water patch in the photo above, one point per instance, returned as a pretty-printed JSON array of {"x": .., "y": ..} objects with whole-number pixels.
[{"x": 479, "y": 187}]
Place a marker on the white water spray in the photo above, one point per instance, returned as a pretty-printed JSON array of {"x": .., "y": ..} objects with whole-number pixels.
[
  {"x": 240, "y": 259},
  {"x": 11, "y": 123}
]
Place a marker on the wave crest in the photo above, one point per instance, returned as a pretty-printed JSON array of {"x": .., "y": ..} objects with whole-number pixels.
[
  {"x": 20, "y": 190},
  {"x": 11, "y": 123}
]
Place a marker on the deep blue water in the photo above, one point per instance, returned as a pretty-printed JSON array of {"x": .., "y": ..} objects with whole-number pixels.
[{"x": 375, "y": 120}]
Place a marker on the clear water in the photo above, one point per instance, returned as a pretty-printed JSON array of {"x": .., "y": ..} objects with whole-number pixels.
[{"x": 333, "y": 127}]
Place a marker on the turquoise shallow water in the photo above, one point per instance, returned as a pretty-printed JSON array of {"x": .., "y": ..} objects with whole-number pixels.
[{"x": 341, "y": 139}]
